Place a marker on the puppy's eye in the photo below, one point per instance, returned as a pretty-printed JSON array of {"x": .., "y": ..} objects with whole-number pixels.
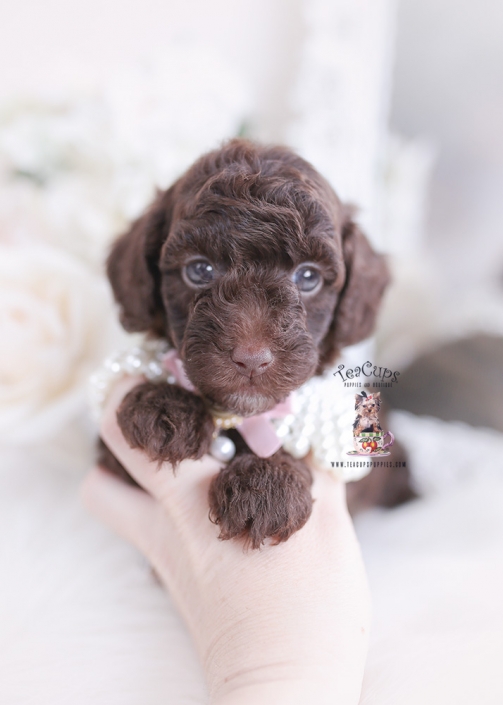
[
  {"x": 199, "y": 272},
  {"x": 307, "y": 278}
]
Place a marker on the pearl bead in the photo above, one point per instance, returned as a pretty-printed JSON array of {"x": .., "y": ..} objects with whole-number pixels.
[
  {"x": 300, "y": 447},
  {"x": 222, "y": 448},
  {"x": 131, "y": 364},
  {"x": 153, "y": 369},
  {"x": 282, "y": 430},
  {"x": 328, "y": 443}
]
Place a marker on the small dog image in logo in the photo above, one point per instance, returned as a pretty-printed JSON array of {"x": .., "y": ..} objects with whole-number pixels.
[{"x": 368, "y": 436}]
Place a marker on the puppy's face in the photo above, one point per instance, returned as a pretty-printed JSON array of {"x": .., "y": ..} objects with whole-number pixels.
[
  {"x": 368, "y": 406},
  {"x": 247, "y": 266},
  {"x": 249, "y": 302}
]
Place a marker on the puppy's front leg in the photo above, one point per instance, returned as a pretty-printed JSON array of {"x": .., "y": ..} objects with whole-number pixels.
[
  {"x": 256, "y": 498},
  {"x": 167, "y": 422}
]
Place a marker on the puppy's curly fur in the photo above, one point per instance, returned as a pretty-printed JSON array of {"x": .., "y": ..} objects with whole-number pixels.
[{"x": 250, "y": 216}]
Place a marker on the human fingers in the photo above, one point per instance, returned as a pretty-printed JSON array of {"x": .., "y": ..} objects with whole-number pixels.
[
  {"x": 128, "y": 511},
  {"x": 158, "y": 479},
  {"x": 142, "y": 521}
]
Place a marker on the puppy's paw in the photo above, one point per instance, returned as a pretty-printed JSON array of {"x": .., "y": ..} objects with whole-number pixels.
[
  {"x": 167, "y": 422},
  {"x": 256, "y": 498}
]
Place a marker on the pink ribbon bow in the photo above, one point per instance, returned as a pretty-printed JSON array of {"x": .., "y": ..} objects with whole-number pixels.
[{"x": 258, "y": 431}]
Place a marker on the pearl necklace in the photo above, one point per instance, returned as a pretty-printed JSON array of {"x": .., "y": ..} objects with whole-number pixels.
[{"x": 320, "y": 422}]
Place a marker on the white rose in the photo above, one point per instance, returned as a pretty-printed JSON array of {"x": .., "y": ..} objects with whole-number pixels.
[{"x": 56, "y": 324}]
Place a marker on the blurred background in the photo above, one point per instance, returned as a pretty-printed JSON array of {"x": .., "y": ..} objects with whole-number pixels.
[{"x": 400, "y": 104}]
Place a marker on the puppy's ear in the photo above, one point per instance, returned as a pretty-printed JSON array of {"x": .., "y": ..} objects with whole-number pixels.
[
  {"x": 133, "y": 271},
  {"x": 356, "y": 311}
]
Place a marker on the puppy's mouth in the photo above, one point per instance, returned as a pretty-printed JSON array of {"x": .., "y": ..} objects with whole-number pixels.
[
  {"x": 230, "y": 392},
  {"x": 244, "y": 403}
]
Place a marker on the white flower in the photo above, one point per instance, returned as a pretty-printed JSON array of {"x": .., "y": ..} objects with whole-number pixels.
[
  {"x": 75, "y": 171},
  {"x": 56, "y": 324}
]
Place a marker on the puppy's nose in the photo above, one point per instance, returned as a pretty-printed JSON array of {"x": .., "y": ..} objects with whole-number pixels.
[{"x": 251, "y": 362}]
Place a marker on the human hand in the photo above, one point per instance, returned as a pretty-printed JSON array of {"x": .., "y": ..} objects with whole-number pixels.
[{"x": 282, "y": 624}]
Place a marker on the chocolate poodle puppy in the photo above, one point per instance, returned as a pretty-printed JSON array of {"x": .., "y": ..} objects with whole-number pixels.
[{"x": 257, "y": 274}]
